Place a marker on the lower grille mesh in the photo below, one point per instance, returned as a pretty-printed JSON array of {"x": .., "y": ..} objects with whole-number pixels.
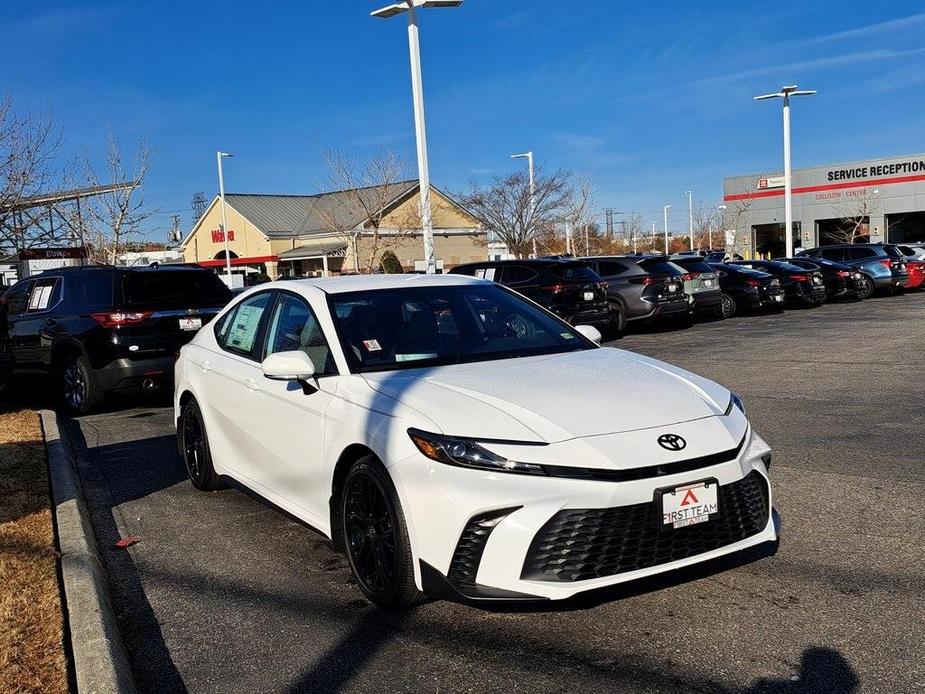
[
  {"x": 578, "y": 544},
  {"x": 465, "y": 564}
]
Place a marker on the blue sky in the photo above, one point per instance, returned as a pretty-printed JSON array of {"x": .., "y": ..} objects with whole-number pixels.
[{"x": 653, "y": 98}]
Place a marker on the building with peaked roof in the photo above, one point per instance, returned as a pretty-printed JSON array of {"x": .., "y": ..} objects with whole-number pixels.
[{"x": 338, "y": 232}]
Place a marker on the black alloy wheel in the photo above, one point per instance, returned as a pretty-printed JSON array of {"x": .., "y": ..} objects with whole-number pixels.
[
  {"x": 727, "y": 306},
  {"x": 617, "y": 319},
  {"x": 865, "y": 287},
  {"x": 196, "y": 453},
  {"x": 378, "y": 549},
  {"x": 79, "y": 389}
]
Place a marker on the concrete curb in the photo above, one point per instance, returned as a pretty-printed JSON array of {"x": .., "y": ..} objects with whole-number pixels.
[{"x": 101, "y": 664}]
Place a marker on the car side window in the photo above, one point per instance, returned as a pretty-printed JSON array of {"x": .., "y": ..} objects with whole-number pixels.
[
  {"x": 45, "y": 294},
  {"x": 861, "y": 253},
  {"x": 608, "y": 268},
  {"x": 238, "y": 331},
  {"x": 17, "y": 299},
  {"x": 519, "y": 274},
  {"x": 294, "y": 326},
  {"x": 835, "y": 254}
]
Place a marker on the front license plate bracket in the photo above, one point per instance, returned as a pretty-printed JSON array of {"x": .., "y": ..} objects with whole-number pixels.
[{"x": 678, "y": 491}]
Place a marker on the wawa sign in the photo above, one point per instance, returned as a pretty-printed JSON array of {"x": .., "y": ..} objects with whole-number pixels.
[{"x": 218, "y": 236}]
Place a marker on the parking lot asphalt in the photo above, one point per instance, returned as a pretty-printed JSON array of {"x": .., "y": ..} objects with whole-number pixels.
[{"x": 225, "y": 594}]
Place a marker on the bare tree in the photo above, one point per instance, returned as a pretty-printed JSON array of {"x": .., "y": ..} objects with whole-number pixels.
[
  {"x": 28, "y": 144},
  {"x": 854, "y": 220},
  {"x": 708, "y": 225},
  {"x": 505, "y": 207},
  {"x": 116, "y": 217},
  {"x": 578, "y": 213},
  {"x": 367, "y": 186}
]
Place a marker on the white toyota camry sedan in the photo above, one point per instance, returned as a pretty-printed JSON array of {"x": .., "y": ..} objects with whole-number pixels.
[{"x": 457, "y": 440}]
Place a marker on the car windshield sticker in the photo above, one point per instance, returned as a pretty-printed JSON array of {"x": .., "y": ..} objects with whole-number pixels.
[
  {"x": 490, "y": 273},
  {"x": 567, "y": 336},
  {"x": 372, "y": 345},
  {"x": 414, "y": 357}
]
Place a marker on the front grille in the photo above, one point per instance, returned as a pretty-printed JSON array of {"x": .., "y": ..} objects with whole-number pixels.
[
  {"x": 578, "y": 544},
  {"x": 465, "y": 564}
]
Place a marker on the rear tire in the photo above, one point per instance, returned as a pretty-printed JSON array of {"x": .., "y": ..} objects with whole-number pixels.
[
  {"x": 376, "y": 537},
  {"x": 80, "y": 389},
  {"x": 727, "y": 306},
  {"x": 617, "y": 326},
  {"x": 194, "y": 444}
]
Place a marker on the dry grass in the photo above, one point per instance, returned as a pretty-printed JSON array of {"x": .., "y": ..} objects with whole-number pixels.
[{"x": 31, "y": 625}]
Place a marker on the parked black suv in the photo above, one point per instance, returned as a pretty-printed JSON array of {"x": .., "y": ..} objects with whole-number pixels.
[
  {"x": 801, "y": 287},
  {"x": 102, "y": 329},
  {"x": 840, "y": 280},
  {"x": 747, "y": 290},
  {"x": 641, "y": 287},
  {"x": 570, "y": 289}
]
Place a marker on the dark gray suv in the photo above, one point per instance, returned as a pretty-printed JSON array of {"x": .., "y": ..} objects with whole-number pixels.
[
  {"x": 882, "y": 265},
  {"x": 640, "y": 288}
]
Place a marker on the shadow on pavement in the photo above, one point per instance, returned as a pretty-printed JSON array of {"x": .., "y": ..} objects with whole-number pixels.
[
  {"x": 153, "y": 667},
  {"x": 822, "y": 671}
]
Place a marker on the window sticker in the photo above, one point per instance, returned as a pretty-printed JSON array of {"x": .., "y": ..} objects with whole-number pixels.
[
  {"x": 244, "y": 330},
  {"x": 567, "y": 336},
  {"x": 40, "y": 297},
  {"x": 490, "y": 273},
  {"x": 372, "y": 345},
  {"x": 414, "y": 357}
]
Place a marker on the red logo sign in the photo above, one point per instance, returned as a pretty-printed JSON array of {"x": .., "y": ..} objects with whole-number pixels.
[
  {"x": 219, "y": 237},
  {"x": 689, "y": 498}
]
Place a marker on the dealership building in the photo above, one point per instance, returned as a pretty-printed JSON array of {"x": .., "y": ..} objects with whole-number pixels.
[{"x": 877, "y": 200}]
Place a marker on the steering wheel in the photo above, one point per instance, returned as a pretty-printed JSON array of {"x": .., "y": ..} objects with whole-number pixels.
[{"x": 515, "y": 325}]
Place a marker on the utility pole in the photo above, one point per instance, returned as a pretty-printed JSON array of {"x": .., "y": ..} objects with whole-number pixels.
[
  {"x": 665, "y": 210},
  {"x": 690, "y": 216},
  {"x": 174, "y": 236}
]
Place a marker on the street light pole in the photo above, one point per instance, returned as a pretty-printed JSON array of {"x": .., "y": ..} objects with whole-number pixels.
[
  {"x": 420, "y": 130},
  {"x": 221, "y": 194},
  {"x": 690, "y": 216},
  {"x": 665, "y": 210},
  {"x": 529, "y": 157},
  {"x": 721, "y": 208},
  {"x": 785, "y": 93}
]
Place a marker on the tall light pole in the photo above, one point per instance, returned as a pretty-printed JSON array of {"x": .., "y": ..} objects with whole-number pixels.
[
  {"x": 721, "y": 208},
  {"x": 529, "y": 157},
  {"x": 221, "y": 194},
  {"x": 690, "y": 216},
  {"x": 665, "y": 210},
  {"x": 417, "y": 92},
  {"x": 785, "y": 93}
]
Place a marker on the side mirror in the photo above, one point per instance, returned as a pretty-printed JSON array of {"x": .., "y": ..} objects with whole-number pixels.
[
  {"x": 590, "y": 332},
  {"x": 288, "y": 366}
]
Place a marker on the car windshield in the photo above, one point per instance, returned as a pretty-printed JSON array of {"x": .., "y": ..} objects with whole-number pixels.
[
  {"x": 415, "y": 327},
  {"x": 739, "y": 269}
]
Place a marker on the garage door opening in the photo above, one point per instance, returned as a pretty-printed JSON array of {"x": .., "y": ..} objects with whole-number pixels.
[
  {"x": 906, "y": 227},
  {"x": 768, "y": 239},
  {"x": 832, "y": 231}
]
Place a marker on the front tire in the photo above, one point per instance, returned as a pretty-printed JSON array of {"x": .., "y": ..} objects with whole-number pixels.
[
  {"x": 195, "y": 446},
  {"x": 376, "y": 537},
  {"x": 866, "y": 288},
  {"x": 80, "y": 390},
  {"x": 617, "y": 325},
  {"x": 727, "y": 307}
]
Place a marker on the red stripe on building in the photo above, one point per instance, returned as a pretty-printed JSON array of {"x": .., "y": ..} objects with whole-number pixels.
[
  {"x": 254, "y": 260},
  {"x": 827, "y": 186}
]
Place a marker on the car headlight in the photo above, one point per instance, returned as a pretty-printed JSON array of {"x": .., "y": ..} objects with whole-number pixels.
[
  {"x": 735, "y": 401},
  {"x": 467, "y": 453}
]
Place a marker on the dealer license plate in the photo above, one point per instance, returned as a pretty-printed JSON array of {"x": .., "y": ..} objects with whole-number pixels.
[
  {"x": 589, "y": 296},
  {"x": 778, "y": 297},
  {"x": 689, "y": 504},
  {"x": 190, "y": 323},
  {"x": 708, "y": 283}
]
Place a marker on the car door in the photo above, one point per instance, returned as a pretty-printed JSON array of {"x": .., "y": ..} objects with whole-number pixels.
[
  {"x": 16, "y": 303},
  {"x": 224, "y": 369},
  {"x": 285, "y": 420},
  {"x": 35, "y": 327}
]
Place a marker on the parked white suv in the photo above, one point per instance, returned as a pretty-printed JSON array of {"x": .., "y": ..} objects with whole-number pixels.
[{"x": 458, "y": 440}]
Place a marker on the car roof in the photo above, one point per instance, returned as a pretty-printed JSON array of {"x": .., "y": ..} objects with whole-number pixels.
[{"x": 361, "y": 283}]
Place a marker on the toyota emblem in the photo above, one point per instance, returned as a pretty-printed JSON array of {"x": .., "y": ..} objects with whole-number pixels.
[{"x": 672, "y": 442}]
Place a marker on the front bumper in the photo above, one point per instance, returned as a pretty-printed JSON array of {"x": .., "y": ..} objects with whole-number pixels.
[{"x": 482, "y": 536}]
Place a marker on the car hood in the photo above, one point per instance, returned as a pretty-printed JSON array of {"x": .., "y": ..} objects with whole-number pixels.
[{"x": 555, "y": 397}]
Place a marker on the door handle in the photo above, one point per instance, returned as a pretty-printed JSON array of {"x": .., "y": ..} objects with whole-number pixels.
[{"x": 251, "y": 384}]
